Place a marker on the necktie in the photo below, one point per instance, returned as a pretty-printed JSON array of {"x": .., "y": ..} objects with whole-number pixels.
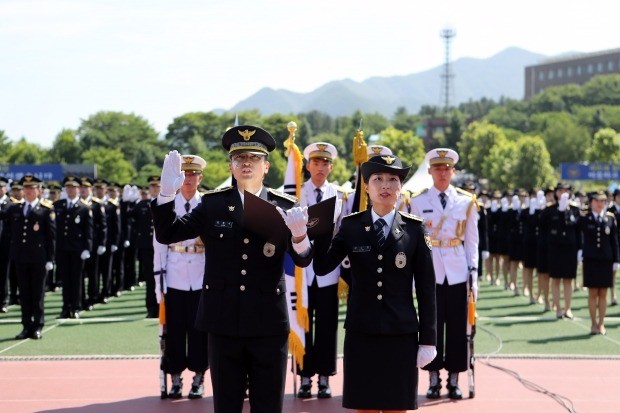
[
  {"x": 187, "y": 206},
  {"x": 319, "y": 195},
  {"x": 442, "y": 198},
  {"x": 379, "y": 231},
  {"x": 28, "y": 208},
  {"x": 70, "y": 205}
]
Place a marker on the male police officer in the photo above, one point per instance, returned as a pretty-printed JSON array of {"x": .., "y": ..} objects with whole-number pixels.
[
  {"x": 321, "y": 338},
  {"x": 451, "y": 217},
  {"x": 184, "y": 265},
  {"x": 5, "y": 242},
  {"x": 243, "y": 304}
]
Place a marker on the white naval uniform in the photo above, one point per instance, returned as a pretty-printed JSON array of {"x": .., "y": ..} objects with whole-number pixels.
[
  {"x": 184, "y": 271},
  {"x": 308, "y": 198},
  {"x": 451, "y": 262}
]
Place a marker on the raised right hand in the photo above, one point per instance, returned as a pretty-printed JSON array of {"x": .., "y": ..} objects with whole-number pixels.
[{"x": 171, "y": 175}]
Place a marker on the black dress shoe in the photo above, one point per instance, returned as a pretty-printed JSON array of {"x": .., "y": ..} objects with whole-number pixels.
[
  {"x": 64, "y": 314},
  {"x": 23, "y": 335},
  {"x": 36, "y": 334},
  {"x": 324, "y": 391},
  {"x": 433, "y": 392},
  {"x": 152, "y": 314},
  {"x": 305, "y": 391},
  {"x": 74, "y": 314},
  {"x": 454, "y": 392},
  {"x": 198, "y": 387},
  {"x": 176, "y": 391}
]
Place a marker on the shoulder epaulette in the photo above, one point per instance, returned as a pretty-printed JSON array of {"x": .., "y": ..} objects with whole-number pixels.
[
  {"x": 411, "y": 216},
  {"x": 282, "y": 195},
  {"x": 113, "y": 202},
  {"x": 95, "y": 199},
  {"x": 414, "y": 194},
  {"x": 464, "y": 192},
  {"x": 551, "y": 203},
  {"x": 610, "y": 214},
  {"x": 342, "y": 189},
  {"x": 46, "y": 203},
  {"x": 16, "y": 201},
  {"x": 573, "y": 204},
  {"x": 218, "y": 190},
  {"x": 584, "y": 212},
  {"x": 85, "y": 202},
  {"x": 352, "y": 214}
]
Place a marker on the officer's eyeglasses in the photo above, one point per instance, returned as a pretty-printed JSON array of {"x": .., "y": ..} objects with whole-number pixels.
[{"x": 247, "y": 157}]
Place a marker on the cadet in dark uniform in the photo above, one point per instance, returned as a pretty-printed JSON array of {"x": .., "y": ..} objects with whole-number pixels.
[
  {"x": 113, "y": 223},
  {"x": 559, "y": 220},
  {"x": 53, "y": 281},
  {"x": 600, "y": 256},
  {"x": 143, "y": 241},
  {"x": 5, "y": 243},
  {"x": 16, "y": 196},
  {"x": 243, "y": 304},
  {"x": 74, "y": 240},
  {"x": 32, "y": 249},
  {"x": 117, "y": 279},
  {"x": 386, "y": 338},
  {"x": 129, "y": 197},
  {"x": 542, "y": 252},
  {"x": 496, "y": 236},
  {"x": 483, "y": 236},
  {"x": 614, "y": 208},
  {"x": 100, "y": 232},
  {"x": 529, "y": 216}
]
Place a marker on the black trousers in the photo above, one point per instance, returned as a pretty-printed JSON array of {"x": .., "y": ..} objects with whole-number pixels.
[
  {"x": 91, "y": 271},
  {"x": 70, "y": 268},
  {"x": 186, "y": 347},
  {"x": 4, "y": 276},
  {"x": 106, "y": 261},
  {"x": 321, "y": 338},
  {"x": 451, "y": 328},
  {"x": 145, "y": 270},
  {"x": 118, "y": 270},
  {"x": 259, "y": 361},
  {"x": 130, "y": 278},
  {"x": 31, "y": 280}
]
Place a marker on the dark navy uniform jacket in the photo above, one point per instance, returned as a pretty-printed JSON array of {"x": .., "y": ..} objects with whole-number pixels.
[
  {"x": 561, "y": 226},
  {"x": 33, "y": 236},
  {"x": 244, "y": 286},
  {"x": 142, "y": 228},
  {"x": 381, "y": 296},
  {"x": 74, "y": 226},
  {"x": 600, "y": 239}
]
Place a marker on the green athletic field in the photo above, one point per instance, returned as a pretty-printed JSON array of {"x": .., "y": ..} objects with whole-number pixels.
[{"x": 120, "y": 328}]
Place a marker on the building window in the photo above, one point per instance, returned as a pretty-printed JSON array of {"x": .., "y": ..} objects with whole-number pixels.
[
  {"x": 599, "y": 67},
  {"x": 569, "y": 72},
  {"x": 578, "y": 70},
  {"x": 541, "y": 75},
  {"x": 550, "y": 74},
  {"x": 610, "y": 66},
  {"x": 560, "y": 73}
]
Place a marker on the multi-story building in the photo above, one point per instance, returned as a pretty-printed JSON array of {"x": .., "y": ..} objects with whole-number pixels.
[{"x": 570, "y": 69}]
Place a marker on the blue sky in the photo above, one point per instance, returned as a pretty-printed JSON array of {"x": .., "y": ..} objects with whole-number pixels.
[{"x": 64, "y": 60}]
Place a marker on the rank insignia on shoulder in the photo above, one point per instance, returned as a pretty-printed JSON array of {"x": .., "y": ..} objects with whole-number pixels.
[
  {"x": 282, "y": 195},
  {"x": 410, "y": 216}
]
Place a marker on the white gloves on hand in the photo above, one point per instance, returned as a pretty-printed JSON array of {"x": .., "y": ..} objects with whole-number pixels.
[
  {"x": 426, "y": 354},
  {"x": 171, "y": 175},
  {"x": 580, "y": 255},
  {"x": 158, "y": 288},
  {"x": 127, "y": 193},
  {"x": 494, "y": 205},
  {"x": 474, "y": 289},
  {"x": 485, "y": 255},
  {"x": 616, "y": 265},
  {"x": 516, "y": 204},
  {"x": 100, "y": 250},
  {"x": 563, "y": 202},
  {"x": 113, "y": 248},
  {"x": 337, "y": 209},
  {"x": 126, "y": 243},
  {"x": 504, "y": 205},
  {"x": 135, "y": 193},
  {"x": 533, "y": 206},
  {"x": 85, "y": 255},
  {"x": 295, "y": 219},
  {"x": 49, "y": 266}
]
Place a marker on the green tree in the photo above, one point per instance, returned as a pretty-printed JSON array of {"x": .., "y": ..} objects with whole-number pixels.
[
  {"x": 605, "y": 147},
  {"x": 24, "y": 152},
  {"x": 557, "y": 99},
  {"x": 602, "y": 89},
  {"x": 452, "y": 137},
  {"x": 532, "y": 166},
  {"x": 196, "y": 132},
  {"x": 110, "y": 163},
  {"x": 5, "y": 145},
  {"x": 498, "y": 165},
  {"x": 509, "y": 116},
  {"x": 405, "y": 145},
  {"x": 217, "y": 169},
  {"x": 566, "y": 141},
  {"x": 477, "y": 142},
  {"x": 146, "y": 171},
  {"x": 66, "y": 148},
  {"x": 405, "y": 121}
]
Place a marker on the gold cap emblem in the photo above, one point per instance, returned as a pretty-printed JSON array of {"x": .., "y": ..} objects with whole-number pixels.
[
  {"x": 442, "y": 154},
  {"x": 321, "y": 146},
  {"x": 28, "y": 178},
  {"x": 376, "y": 150},
  {"x": 246, "y": 134},
  {"x": 188, "y": 159},
  {"x": 388, "y": 159}
]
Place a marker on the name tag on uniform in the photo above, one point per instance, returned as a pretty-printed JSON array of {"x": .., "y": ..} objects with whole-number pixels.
[
  {"x": 426, "y": 210},
  {"x": 223, "y": 224},
  {"x": 362, "y": 248}
]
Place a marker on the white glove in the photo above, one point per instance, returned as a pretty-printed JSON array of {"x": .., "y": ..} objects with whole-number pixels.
[
  {"x": 135, "y": 193},
  {"x": 171, "y": 175},
  {"x": 580, "y": 255},
  {"x": 126, "y": 243},
  {"x": 533, "y": 205},
  {"x": 337, "y": 209},
  {"x": 563, "y": 202},
  {"x": 474, "y": 289},
  {"x": 616, "y": 265},
  {"x": 101, "y": 250},
  {"x": 494, "y": 205},
  {"x": 127, "y": 193},
  {"x": 295, "y": 219},
  {"x": 426, "y": 354},
  {"x": 485, "y": 255},
  {"x": 516, "y": 204},
  {"x": 158, "y": 288},
  {"x": 85, "y": 255},
  {"x": 504, "y": 205},
  {"x": 113, "y": 248},
  {"x": 540, "y": 197},
  {"x": 49, "y": 266}
]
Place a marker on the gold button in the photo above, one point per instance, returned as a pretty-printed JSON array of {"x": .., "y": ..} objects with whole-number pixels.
[
  {"x": 244, "y": 256},
  {"x": 243, "y": 272},
  {"x": 380, "y": 257},
  {"x": 379, "y": 270},
  {"x": 277, "y": 291},
  {"x": 24, "y": 241},
  {"x": 242, "y": 288},
  {"x": 221, "y": 235},
  {"x": 379, "y": 284},
  {"x": 379, "y": 297},
  {"x": 246, "y": 241},
  {"x": 206, "y": 286},
  {"x": 24, "y": 227}
]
